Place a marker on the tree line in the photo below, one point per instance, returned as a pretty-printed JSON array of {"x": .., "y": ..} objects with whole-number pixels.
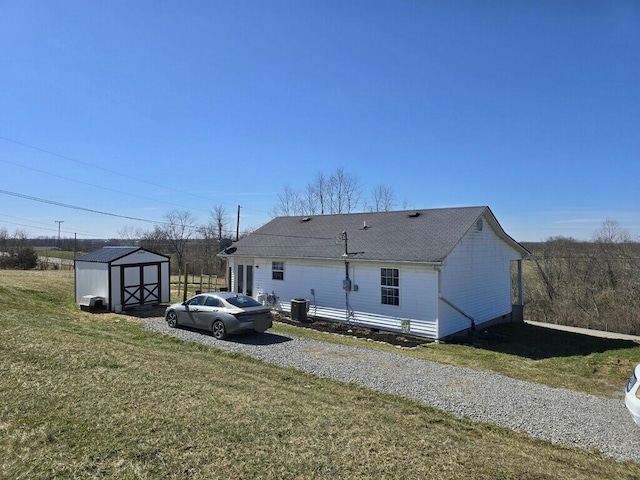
[
  {"x": 593, "y": 284},
  {"x": 332, "y": 193},
  {"x": 16, "y": 252}
]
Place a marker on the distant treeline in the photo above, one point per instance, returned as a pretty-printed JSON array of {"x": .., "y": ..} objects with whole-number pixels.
[
  {"x": 584, "y": 284},
  {"x": 200, "y": 254}
]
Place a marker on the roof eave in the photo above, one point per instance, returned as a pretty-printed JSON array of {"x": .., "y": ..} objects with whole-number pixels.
[{"x": 325, "y": 259}]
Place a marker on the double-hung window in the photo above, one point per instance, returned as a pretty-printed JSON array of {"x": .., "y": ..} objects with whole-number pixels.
[
  {"x": 389, "y": 286},
  {"x": 277, "y": 270}
]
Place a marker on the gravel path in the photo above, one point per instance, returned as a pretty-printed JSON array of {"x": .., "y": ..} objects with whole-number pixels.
[{"x": 558, "y": 415}]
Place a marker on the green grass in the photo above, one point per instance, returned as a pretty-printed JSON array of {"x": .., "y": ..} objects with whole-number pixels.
[
  {"x": 93, "y": 396},
  {"x": 64, "y": 254}
]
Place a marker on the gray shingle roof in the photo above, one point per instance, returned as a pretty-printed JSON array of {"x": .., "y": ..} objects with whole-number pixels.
[
  {"x": 107, "y": 254},
  {"x": 422, "y": 236}
]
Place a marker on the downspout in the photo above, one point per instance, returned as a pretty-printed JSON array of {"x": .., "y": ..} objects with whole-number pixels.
[
  {"x": 473, "y": 322},
  {"x": 451, "y": 304}
]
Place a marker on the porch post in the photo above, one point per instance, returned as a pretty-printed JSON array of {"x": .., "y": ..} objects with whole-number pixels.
[{"x": 520, "y": 284}]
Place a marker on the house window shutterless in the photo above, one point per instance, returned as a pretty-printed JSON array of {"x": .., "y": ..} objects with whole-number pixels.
[
  {"x": 389, "y": 286},
  {"x": 277, "y": 270}
]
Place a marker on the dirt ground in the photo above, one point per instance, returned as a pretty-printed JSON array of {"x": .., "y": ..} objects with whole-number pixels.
[{"x": 353, "y": 331}]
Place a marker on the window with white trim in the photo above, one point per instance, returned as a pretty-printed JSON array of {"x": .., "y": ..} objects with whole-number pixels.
[
  {"x": 389, "y": 286},
  {"x": 277, "y": 270}
]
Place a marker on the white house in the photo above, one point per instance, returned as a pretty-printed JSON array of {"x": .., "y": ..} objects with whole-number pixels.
[
  {"x": 121, "y": 278},
  {"x": 429, "y": 273}
]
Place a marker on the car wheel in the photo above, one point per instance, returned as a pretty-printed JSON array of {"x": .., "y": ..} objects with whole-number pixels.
[
  {"x": 172, "y": 319},
  {"x": 218, "y": 329}
]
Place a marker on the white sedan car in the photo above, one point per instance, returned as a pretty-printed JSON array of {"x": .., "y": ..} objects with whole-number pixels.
[
  {"x": 221, "y": 313},
  {"x": 632, "y": 396}
]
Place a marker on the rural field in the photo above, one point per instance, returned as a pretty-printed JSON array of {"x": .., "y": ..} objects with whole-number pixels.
[{"x": 94, "y": 396}]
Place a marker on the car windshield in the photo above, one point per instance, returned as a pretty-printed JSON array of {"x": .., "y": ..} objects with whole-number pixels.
[
  {"x": 632, "y": 381},
  {"x": 242, "y": 301}
]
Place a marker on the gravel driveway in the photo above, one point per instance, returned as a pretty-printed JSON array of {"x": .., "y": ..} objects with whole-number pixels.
[{"x": 558, "y": 415}]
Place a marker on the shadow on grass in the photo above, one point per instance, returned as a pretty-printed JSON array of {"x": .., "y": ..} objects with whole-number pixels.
[
  {"x": 142, "y": 311},
  {"x": 146, "y": 311},
  {"x": 538, "y": 343}
]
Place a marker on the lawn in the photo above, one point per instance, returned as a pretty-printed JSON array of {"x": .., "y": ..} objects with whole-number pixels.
[{"x": 93, "y": 396}]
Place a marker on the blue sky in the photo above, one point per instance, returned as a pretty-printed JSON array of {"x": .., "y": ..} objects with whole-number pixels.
[{"x": 136, "y": 108}]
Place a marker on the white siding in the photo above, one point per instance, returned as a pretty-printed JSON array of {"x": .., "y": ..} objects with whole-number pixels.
[
  {"x": 416, "y": 314},
  {"x": 476, "y": 278},
  {"x": 92, "y": 279},
  {"x": 115, "y": 287},
  {"x": 165, "y": 287}
]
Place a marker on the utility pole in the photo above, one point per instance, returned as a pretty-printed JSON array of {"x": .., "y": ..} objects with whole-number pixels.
[
  {"x": 346, "y": 284},
  {"x": 59, "y": 222},
  {"x": 238, "y": 225},
  {"x": 345, "y": 255}
]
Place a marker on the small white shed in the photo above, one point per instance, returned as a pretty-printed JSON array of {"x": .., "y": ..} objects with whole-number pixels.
[{"x": 121, "y": 278}]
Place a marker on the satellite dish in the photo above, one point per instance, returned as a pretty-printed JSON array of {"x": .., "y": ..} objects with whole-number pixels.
[
  {"x": 229, "y": 251},
  {"x": 225, "y": 243}
]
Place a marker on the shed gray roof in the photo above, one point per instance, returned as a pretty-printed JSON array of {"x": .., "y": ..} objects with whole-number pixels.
[
  {"x": 420, "y": 236},
  {"x": 107, "y": 254}
]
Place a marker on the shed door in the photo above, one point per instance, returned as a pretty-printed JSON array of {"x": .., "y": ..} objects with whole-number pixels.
[{"x": 140, "y": 285}]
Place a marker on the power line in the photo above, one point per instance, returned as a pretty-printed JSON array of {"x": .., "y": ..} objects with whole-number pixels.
[
  {"x": 104, "y": 169},
  {"x": 90, "y": 184},
  {"x": 47, "y": 226},
  {"x": 75, "y": 207},
  {"x": 156, "y": 222},
  {"x": 49, "y": 152}
]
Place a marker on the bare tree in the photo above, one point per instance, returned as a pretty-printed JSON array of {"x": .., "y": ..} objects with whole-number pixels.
[
  {"x": 611, "y": 232},
  {"x": 179, "y": 227},
  {"x": 383, "y": 198},
  {"x": 319, "y": 189},
  {"x": 289, "y": 203},
  {"x": 309, "y": 200},
  {"x": 338, "y": 193},
  {"x": 4, "y": 237},
  {"x": 154, "y": 239},
  {"x": 344, "y": 191},
  {"x": 131, "y": 235},
  {"x": 219, "y": 219},
  {"x": 212, "y": 233}
]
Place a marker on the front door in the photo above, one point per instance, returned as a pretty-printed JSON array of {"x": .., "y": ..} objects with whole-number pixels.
[
  {"x": 248, "y": 288},
  {"x": 240, "y": 279},
  {"x": 244, "y": 279}
]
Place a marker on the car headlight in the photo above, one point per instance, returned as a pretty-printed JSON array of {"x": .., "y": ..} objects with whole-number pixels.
[{"x": 632, "y": 381}]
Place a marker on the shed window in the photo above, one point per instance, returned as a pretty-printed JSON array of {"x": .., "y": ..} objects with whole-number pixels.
[
  {"x": 389, "y": 286},
  {"x": 277, "y": 270}
]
